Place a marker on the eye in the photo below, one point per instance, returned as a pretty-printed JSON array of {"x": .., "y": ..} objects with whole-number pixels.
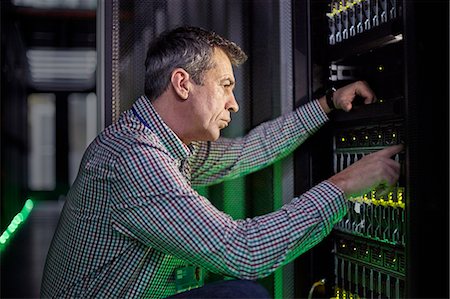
[{"x": 228, "y": 84}]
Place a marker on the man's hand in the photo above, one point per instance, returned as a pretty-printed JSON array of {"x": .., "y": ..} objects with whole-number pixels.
[
  {"x": 344, "y": 96},
  {"x": 371, "y": 171}
]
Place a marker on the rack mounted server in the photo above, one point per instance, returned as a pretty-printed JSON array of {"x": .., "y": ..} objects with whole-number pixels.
[{"x": 392, "y": 243}]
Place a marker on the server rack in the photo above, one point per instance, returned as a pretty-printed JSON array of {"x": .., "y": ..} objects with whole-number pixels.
[{"x": 390, "y": 244}]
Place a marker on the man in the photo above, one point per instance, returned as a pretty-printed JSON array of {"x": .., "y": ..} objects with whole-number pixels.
[{"x": 132, "y": 223}]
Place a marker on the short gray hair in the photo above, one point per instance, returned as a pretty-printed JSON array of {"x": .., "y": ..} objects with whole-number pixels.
[{"x": 189, "y": 48}]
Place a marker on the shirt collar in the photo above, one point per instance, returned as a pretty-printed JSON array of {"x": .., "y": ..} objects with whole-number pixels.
[{"x": 153, "y": 121}]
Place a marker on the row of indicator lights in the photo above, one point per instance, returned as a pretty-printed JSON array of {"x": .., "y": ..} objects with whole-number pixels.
[
  {"x": 16, "y": 222},
  {"x": 338, "y": 7},
  {"x": 382, "y": 200},
  {"x": 341, "y": 7},
  {"x": 343, "y": 139},
  {"x": 343, "y": 245},
  {"x": 343, "y": 294}
]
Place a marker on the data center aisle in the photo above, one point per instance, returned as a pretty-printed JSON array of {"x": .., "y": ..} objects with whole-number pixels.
[{"x": 22, "y": 261}]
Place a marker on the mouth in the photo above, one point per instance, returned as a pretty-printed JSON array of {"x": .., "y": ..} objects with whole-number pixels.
[{"x": 226, "y": 122}]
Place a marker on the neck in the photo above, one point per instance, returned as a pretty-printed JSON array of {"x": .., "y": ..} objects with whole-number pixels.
[{"x": 174, "y": 114}]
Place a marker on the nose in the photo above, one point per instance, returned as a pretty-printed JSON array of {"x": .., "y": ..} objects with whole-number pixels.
[{"x": 232, "y": 104}]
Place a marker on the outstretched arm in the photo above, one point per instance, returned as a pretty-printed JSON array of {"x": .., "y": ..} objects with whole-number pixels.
[
  {"x": 165, "y": 213},
  {"x": 230, "y": 158},
  {"x": 225, "y": 159}
]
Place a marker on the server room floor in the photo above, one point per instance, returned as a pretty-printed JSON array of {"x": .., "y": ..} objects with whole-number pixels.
[{"x": 22, "y": 261}]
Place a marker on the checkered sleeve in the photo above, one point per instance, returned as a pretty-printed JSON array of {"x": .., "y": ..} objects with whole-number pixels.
[
  {"x": 226, "y": 158},
  {"x": 153, "y": 203}
]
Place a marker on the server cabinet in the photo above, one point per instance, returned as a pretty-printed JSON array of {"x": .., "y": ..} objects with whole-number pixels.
[{"x": 390, "y": 244}]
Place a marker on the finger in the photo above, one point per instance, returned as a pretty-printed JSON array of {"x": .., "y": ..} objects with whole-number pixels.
[
  {"x": 394, "y": 166},
  {"x": 370, "y": 100},
  {"x": 347, "y": 106},
  {"x": 383, "y": 169},
  {"x": 384, "y": 186},
  {"x": 390, "y": 168},
  {"x": 390, "y": 151},
  {"x": 383, "y": 190},
  {"x": 392, "y": 172},
  {"x": 366, "y": 92}
]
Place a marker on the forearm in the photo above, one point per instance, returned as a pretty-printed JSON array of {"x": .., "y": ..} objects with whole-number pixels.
[{"x": 294, "y": 229}]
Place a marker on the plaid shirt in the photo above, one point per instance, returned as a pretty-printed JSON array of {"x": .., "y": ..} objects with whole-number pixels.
[{"x": 132, "y": 217}]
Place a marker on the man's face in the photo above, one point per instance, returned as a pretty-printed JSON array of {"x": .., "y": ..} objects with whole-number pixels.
[{"x": 213, "y": 102}]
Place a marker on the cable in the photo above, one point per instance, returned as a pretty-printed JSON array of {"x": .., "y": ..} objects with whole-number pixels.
[{"x": 314, "y": 286}]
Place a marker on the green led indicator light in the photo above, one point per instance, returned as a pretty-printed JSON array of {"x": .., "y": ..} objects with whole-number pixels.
[{"x": 15, "y": 223}]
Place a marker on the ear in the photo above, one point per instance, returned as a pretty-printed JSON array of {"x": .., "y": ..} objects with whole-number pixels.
[{"x": 180, "y": 83}]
